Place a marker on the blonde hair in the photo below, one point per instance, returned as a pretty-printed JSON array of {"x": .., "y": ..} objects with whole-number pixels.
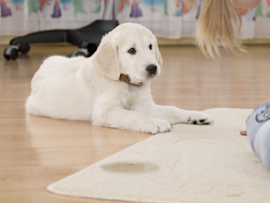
[
  {"x": 191, "y": 3},
  {"x": 216, "y": 26}
]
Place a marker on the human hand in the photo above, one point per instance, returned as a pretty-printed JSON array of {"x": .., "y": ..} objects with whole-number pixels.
[{"x": 243, "y": 132}]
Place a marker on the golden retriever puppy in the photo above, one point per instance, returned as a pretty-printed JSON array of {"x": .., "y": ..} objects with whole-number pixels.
[{"x": 111, "y": 88}]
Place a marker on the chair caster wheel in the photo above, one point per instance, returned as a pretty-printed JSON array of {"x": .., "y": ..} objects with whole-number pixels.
[
  {"x": 91, "y": 48},
  {"x": 79, "y": 52},
  {"x": 24, "y": 48},
  {"x": 7, "y": 56},
  {"x": 11, "y": 52}
]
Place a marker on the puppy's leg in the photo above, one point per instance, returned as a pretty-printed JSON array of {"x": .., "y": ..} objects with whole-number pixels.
[
  {"x": 175, "y": 115},
  {"x": 172, "y": 114},
  {"x": 118, "y": 117}
]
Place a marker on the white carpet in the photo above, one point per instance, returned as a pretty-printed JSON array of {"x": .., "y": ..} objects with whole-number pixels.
[{"x": 192, "y": 163}]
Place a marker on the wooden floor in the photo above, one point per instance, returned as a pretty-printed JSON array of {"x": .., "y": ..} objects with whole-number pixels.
[{"x": 35, "y": 152}]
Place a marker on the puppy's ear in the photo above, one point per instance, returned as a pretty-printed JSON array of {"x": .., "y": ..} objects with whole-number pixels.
[
  {"x": 106, "y": 58},
  {"x": 158, "y": 54}
]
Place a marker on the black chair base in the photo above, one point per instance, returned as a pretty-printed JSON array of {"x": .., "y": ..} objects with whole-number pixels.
[{"x": 86, "y": 38}]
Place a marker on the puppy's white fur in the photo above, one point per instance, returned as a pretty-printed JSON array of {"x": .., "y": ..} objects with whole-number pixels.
[{"x": 89, "y": 88}]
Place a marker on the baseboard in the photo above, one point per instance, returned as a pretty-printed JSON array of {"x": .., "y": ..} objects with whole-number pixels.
[
  {"x": 4, "y": 40},
  {"x": 191, "y": 41}
]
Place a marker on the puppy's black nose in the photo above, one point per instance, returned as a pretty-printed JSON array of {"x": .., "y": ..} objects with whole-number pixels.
[{"x": 151, "y": 69}]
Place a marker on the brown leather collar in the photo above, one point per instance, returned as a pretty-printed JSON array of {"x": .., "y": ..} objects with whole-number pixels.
[{"x": 126, "y": 79}]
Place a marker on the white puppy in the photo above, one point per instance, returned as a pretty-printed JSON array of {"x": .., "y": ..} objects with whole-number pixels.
[{"x": 89, "y": 89}]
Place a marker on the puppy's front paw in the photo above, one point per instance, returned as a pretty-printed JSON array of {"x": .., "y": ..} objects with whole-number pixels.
[
  {"x": 199, "y": 118},
  {"x": 157, "y": 126}
]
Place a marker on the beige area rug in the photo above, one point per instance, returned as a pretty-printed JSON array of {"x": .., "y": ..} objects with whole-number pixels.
[{"x": 190, "y": 164}]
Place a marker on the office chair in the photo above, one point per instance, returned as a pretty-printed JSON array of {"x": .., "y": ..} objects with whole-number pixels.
[{"x": 86, "y": 38}]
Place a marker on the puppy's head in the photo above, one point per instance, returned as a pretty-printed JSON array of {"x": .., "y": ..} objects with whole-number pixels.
[{"x": 129, "y": 49}]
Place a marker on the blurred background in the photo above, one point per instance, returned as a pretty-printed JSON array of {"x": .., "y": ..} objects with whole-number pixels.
[{"x": 167, "y": 19}]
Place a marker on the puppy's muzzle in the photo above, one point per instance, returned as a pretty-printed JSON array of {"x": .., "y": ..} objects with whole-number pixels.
[{"x": 151, "y": 69}]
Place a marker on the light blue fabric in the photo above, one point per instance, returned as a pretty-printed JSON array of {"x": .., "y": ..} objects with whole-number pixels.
[{"x": 258, "y": 132}]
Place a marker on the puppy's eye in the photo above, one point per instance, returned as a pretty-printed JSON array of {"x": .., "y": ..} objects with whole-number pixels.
[
  {"x": 150, "y": 46},
  {"x": 132, "y": 51}
]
